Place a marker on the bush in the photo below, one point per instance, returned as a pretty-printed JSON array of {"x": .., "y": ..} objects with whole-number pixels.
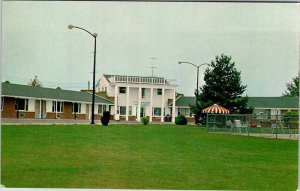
[
  {"x": 145, "y": 121},
  {"x": 105, "y": 118},
  {"x": 180, "y": 120},
  {"x": 289, "y": 117}
]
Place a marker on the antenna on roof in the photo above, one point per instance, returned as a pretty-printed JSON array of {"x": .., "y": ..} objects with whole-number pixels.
[{"x": 152, "y": 67}]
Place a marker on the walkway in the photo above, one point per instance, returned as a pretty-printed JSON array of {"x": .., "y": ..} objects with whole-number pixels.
[{"x": 14, "y": 121}]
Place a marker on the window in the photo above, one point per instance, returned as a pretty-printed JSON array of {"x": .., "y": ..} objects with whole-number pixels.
[
  {"x": 122, "y": 90},
  {"x": 122, "y": 110},
  {"x": 184, "y": 111},
  {"x": 157, "y": 111},
  {"x": 21, "y": 104},
  {"x": 102, "y": 108},
  {"x": 159, "y": 91},
  {"x": 76, "y": 108},
  {"x": 143, "y": 92},
  {"x": 59, "y": 107}
]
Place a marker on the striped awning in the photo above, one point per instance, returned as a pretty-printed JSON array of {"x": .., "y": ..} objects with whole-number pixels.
[{"x": 216, "y": 109}]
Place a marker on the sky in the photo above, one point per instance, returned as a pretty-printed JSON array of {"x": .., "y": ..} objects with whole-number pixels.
[{"x": 261, "y": 38}]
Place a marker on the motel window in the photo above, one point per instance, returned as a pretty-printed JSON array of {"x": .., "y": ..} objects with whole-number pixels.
[
  {"x": 184, "y": 111},
  {"x": 122, "y": 110},
  {"x": 102, "y": 108},
  {"x": 143, "y": 92},
  {"x": 157, "y": 111},
  {"x": 122, "y": 90},
  {"x": 76, "y": 108},
  {"x": 59, "y": 107},
  {"x": 159, "y": 91},
  {"x": 21, "y": 104}
]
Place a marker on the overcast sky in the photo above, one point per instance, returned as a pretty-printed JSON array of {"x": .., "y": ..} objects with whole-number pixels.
[{"x": 263, "y": 40}]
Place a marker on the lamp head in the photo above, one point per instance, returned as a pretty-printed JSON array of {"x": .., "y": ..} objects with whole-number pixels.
[
  {"x": 179, "y": 62},
  {"x": 70, "y": 26}
]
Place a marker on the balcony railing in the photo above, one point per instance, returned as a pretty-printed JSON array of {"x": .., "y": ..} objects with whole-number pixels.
[{"x": 138, "y": 80}]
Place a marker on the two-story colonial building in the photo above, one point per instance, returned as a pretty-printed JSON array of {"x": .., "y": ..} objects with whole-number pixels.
[{"x": 137, "y": 96}]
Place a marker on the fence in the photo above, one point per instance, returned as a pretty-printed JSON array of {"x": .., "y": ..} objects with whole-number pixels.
[{"x": 252, "y": 124}]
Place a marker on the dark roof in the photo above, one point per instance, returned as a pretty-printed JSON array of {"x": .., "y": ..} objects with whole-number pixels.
[
  {"x": 185, "y": 101},
  {"x": 255, "y": 102},
  {"x": 17, "y": 90},
  {"x": 273, "y": 102}
]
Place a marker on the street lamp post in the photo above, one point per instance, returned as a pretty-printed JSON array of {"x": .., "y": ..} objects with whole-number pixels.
[
  {"x": 197, "y": 92},
  {"x": 94, "y": 69}
]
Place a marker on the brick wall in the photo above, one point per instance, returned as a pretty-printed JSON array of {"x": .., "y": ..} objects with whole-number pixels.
[{"x": 9, "y": 108}]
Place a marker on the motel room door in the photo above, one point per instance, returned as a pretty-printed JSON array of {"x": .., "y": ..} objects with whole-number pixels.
[
  {"x": 37, "y": 109},
  {"x": 44, "y": 113},
  {"x": 40, "y": 109},
  {"x": 87, "y": 115}
]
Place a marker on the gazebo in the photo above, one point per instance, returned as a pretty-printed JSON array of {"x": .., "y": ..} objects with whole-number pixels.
[{"x": 215, "y": 108}]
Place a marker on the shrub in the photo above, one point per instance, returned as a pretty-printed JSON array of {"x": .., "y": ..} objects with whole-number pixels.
[
  {"x": 289, "y": 117},
  {"x": 105, "y": 118},
  {"x": 145, "y": 121},
  {"x": 180, "y": 120}
]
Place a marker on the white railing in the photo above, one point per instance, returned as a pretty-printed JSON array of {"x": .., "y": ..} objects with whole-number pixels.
[{"x": 139, "y": 80}]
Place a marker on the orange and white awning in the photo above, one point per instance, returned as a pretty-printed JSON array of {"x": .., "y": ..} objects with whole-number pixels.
[{"x": 216, "y": 109}]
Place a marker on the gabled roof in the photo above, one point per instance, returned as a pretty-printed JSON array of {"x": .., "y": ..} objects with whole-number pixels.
[
  {"x": 185, "y": 101},
  {"x": 274, "y": 102},
  {"x": 17, "y": 90}
]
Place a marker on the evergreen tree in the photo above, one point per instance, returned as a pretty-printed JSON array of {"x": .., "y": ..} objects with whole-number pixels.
[
  {"x": 35, "y": 82},
  {"x": 292, "y": 88},
  {"x": 223, "y": 86}
]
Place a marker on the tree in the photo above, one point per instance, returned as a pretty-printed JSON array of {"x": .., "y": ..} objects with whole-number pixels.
[
  {"x": 35, "y": 82},
  {"x": 222, "y": 86},
  {"x": 292, "y": 88}
]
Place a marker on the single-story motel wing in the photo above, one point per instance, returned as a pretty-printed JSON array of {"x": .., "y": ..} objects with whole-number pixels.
[
  {"x": 22, "y": 101},
  {"x": 127, "y": 98}
]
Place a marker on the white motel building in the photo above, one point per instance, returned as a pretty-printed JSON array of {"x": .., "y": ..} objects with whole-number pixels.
[{"x": 136, "y": 97}]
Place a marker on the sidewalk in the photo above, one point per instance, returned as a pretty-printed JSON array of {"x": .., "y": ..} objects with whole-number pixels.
[{"x": 10, "y": 121}]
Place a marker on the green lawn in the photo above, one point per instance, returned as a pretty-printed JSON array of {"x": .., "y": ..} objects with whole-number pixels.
[{"x": 144, "y": 157}]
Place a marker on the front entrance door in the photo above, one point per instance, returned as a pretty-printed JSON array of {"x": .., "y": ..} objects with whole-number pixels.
[{"x": 143, "y": 111}]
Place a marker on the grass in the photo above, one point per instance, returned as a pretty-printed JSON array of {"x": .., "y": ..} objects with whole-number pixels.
[{"x": 144, "y": 157}]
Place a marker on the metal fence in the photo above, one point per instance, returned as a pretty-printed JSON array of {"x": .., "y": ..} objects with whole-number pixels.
[{"x": 253, "y": 124}]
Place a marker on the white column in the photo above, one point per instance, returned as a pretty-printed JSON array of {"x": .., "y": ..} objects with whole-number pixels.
[
  {"x": 40, "y": 109},
  {"x": 55, "y": 109},
  {"x": 116, "y": 100},
  {"x": 139, "y": 105},
  {"x": 127, "y": 101},
  {"x": 174, "y": 106},
  {"x": 151, "y": 104},
  {"x": 162, "y": 105}
]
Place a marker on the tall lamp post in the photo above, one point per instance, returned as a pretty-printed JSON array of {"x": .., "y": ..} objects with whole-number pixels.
[
  {"x": 94, "y": 68},
  {"x": 181, "y": 62}
]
